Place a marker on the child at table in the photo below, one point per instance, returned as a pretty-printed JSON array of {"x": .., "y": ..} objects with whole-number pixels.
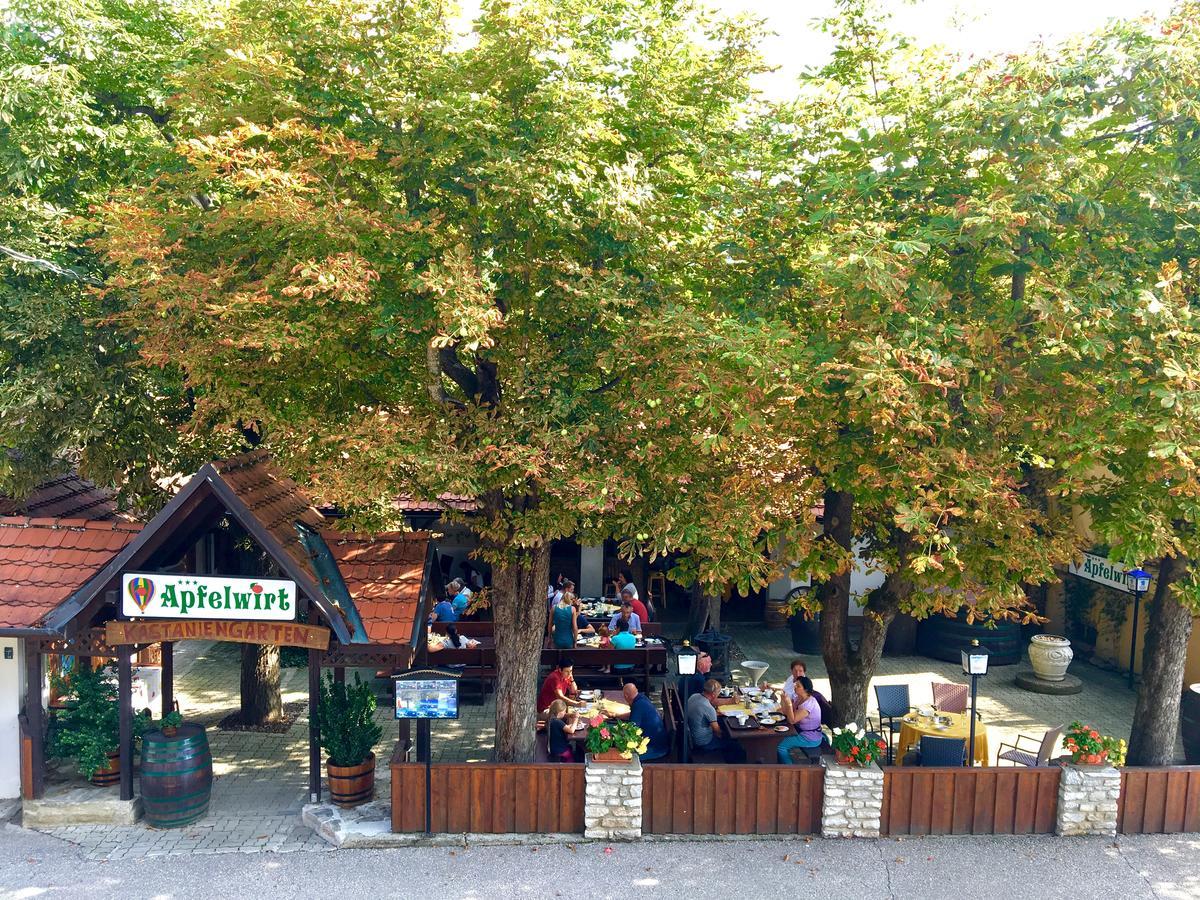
[
  {"x": 605, "y": 638},
  {"x": 558, "y": 729}
]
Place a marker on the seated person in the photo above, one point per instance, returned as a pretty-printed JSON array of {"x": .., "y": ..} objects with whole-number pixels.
[
  {"x": 703, "y": 727},
  {"x": 638, "y": 607},
  {"x": 562, "y": 628},
  {"x": 558, "y": 728},
  {"x": 605, "y": 636},
  {"x": 625, "y": 614},
  {"x": 443, "y": 611},
  {"x": 461, "y": 599},
  {"x": 643, "y": 714},
  {"x": 805, "y": 716},
  {"x": 581, "y": 621},
  {"x": 623, "y": 639},
  {"x": 559, "y": 685},
  {"x": 799, "y": 670}
]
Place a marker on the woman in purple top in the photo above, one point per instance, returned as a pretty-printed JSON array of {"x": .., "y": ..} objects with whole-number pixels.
[{"x": 805, "y": 714}]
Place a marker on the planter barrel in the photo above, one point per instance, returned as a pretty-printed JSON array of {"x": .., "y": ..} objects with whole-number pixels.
[
  {"x": 1189, "y": 716},
  {"x": 352, "y": 785},
  {"x": 944, "y": 638},
  {"x": 177, "y": 776},
  {"x": 775, "y": 615},
  {"x": 111, "y": 773}
]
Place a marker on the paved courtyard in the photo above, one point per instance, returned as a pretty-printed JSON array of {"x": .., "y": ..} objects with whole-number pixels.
[{"x": 261, "y": 780}]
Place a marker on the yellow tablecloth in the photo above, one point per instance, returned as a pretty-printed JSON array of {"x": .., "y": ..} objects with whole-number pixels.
[{"x": 959, "y": 727}]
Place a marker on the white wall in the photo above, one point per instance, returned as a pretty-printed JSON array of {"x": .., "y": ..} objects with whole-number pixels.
[
  {"x": 864, "y": 578},
  {"x": 12, "y": 690}
]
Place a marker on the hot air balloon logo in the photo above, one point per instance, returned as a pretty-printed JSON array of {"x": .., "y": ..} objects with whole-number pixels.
[{"x": 141, "y": 591}]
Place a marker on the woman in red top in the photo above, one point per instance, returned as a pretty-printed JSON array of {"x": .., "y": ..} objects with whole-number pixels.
[{"x": 559, "y": 685}]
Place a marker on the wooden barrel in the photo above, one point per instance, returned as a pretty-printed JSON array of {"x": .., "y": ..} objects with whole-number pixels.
[
  {"x": 352, "y": 785},
  {"x": 1189, "y": 724},
  {"x": 111, "y": 773},
  {"x": 775, "y": 616},
  {"x": 177, "y": 776},
  {"x": 941, "y": 637}
]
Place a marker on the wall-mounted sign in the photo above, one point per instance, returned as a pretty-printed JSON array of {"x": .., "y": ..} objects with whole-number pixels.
[
  {"x": 1102, "y": 571},
  {"x": 157, "y": 596},
  {"x": 284, "y": 634}
]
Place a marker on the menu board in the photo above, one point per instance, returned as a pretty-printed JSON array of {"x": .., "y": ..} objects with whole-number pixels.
[{"x": 434, "y": 698}]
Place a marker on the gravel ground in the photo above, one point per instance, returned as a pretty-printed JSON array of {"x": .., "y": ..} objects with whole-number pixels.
[{"x": 33, "y": 865}]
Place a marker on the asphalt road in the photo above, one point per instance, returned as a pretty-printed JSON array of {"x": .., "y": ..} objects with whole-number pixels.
[{"x": 33, "y": 865}]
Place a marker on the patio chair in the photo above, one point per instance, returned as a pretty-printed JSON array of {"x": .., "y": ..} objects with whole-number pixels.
[
  {"x": 949, "y": 697},
  {"x": 1032, "y": 753},
  {"x": 893, "y": 703},
  {"x": 942, "y": 751}
]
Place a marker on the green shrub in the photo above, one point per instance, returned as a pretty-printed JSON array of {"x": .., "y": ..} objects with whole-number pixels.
[
  {"x": 88, "y": 729},
  {"x": 346, "y": 719}
]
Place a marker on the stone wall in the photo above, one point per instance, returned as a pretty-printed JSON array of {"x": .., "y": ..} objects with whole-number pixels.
[
  {"x": 613, "y": 800},
  {"x": 853, "y": 800},
  {"x": 1087, "y": 800}
]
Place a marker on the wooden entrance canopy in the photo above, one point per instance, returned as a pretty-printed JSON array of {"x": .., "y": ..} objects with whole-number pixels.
[{"x": 365, "y": 596}]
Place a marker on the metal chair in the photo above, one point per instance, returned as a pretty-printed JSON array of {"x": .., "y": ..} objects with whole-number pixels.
[
  {"x": 942, "y": 751},
  {"x": 949, "y": 697},
  {"x": 1032, "y": 754},
  {"x": 893, "y": 703}
]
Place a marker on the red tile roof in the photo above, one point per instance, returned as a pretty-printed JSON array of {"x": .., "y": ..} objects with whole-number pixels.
[
  {"x": 43, "y": 561},
  {"x": 273, "y": 498},
  {"x": 407, "y": 503},
  {"x": 383, "y": 573},
  {"x": 67, "y": 497}
]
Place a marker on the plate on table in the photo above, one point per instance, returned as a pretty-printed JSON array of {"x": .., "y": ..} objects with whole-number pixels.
[
  {"x": 782, "y": 728},
  {"x": 726, "y": 692},
  {"x": 911, "y": 720}
]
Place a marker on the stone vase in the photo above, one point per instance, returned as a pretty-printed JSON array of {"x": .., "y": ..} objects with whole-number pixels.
[{"x": 1050, "y": 654}]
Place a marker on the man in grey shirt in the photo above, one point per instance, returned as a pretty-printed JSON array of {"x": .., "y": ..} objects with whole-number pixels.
[{"x": 703, "y": 727}]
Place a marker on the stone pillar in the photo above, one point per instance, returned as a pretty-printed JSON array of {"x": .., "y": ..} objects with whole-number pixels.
[
  {"x": 1087, "y": 800},
  {"x": 612, "y": 800},
  {"x": 853, "y": 800}
]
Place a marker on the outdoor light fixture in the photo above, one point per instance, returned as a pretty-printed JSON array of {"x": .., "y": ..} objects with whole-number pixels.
[
  {"x": 974, "y": 663},
  {"x": 1138, "y": 582},
  {"x": 685, "y": 658}
]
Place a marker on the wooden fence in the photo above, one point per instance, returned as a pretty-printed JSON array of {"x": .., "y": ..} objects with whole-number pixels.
[
  {"x": 489, "y": 798},
  {"x": 931, "y": 800},
  {"x": 1159, "y": 801},
  {"x": 681, "y": 799}
]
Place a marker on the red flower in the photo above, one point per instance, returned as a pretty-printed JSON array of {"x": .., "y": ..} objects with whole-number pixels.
[
  {"x": 854, "y": 751},
  {"x": 604, "y": 732},
  {"x": 881, "y": 745},
  {"x": 596, "y": 720}
]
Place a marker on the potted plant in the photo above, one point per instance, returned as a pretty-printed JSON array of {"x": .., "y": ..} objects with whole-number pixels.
[
  {"x": 614, "y": 740},
  {"x": 88, "y": 726},
  {"x": 854, "y": 747},
  {"x": 1088, "y": 747},
  {"x": 349, "y": 732},
  {"x": 1050, "y": 654},
  {"x": 170, "y": 723}
]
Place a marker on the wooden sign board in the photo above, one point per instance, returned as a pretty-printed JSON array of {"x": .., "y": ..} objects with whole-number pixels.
[{"x": 284, "y": 634}]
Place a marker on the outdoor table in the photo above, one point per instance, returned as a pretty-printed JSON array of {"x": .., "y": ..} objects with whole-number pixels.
[
  {"x": 760, "y": 742},
  {"x": 913, "y": 726},
  {"x": 611, "y": 705}
]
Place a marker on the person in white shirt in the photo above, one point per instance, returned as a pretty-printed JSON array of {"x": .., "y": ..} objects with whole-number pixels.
[{"x": 624, "y": 582}]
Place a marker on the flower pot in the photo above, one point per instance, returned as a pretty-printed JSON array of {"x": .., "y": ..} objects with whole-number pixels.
[
  {"x": 169, "y": 730},
  {"x": 845, "y": 759},
  {"x": 613, "y": 755},
  {"x": 1050, "y": 655},
  {"x": 111, "y": 773},
  {"x": 352, "y": 785}
]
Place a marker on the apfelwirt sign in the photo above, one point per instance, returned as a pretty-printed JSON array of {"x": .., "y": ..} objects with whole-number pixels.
[
  {"x": 1102, "y": 571},
  {"x": 285, "y": 634},
  {"x": 154, "y": 596}
]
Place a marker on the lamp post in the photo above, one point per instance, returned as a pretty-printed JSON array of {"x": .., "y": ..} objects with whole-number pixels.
[
  {"x": 1138, "y": 581},
  {"x": 685, "y": 658},
  {"x": 975, "y": 664}
]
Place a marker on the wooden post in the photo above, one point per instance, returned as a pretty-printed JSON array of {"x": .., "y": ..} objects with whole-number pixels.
[
  {"x": 314, "y": 729},
  {"x": 168, "y": 677},
  {"x": 339, "y": 674},
  {"x": 125, "y": 712},
  {"x": 34, "y": 716}
]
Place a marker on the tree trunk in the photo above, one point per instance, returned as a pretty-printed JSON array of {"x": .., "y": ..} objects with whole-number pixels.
[
  {"x": 519, "y": 579},
  {"x": 1164, "y": 654},
  {"x": 704, "y": 611},
  {"x": 261, "y": 700},
  {"x": 848, "y": 695}
]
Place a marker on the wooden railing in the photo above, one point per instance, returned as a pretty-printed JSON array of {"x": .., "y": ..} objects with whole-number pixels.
[
  {"x": 921, "y": 801},
  {"x": 489, "y": 798},
  {"x": 1159, "y": 801},
  {"x": 680, "y": 799}
]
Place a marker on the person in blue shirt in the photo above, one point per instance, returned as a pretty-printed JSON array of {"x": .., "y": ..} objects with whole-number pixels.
[
  {"x": 443, "y": 612},
  {"x": 462, "y": 598},
  {"x": 628, "y": 616},
  {"x": 643, "y": 714},
  {"x": 623, "y": 639}
]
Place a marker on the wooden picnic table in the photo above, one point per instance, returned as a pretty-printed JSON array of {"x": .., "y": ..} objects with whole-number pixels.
[
  {"x": 613, "y": 706},
  {"x": 759, "y": 742}
]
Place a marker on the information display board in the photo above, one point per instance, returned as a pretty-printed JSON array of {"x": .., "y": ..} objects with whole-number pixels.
[{"x": 426, "y": 698}]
